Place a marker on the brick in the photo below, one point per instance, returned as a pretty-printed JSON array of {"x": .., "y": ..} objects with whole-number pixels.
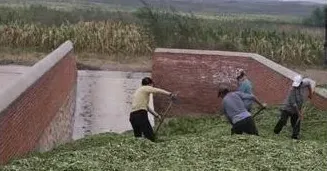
[
  {"x": 197, "y": 76},
  {"x": 24, "y": 122}
]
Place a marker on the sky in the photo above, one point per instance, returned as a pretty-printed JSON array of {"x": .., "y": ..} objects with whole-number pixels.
[{"x": 317, "y": 1}]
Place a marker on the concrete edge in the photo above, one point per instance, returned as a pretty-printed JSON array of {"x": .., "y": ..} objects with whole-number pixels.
[
  {"x": 322, "y": 92},
  {"x": 19, "y": 86},
  {"x": 261, "y": 59},
  {"x": 112, "y": 74},
  {"x": 203, "y": 52},
  {"x": 275, "y": 66}
]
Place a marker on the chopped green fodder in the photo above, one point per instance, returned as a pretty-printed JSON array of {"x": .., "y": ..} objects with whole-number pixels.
[{"x": 189, "y": 143}]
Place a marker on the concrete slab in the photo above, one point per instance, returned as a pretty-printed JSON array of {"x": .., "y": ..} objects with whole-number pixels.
[
  {"x": 320, "y": 76},
  {"x": 104, "y": 101},
  {"x": 9, "y": 73}
]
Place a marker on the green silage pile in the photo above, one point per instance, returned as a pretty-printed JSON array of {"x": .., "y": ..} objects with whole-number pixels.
[{"x": 193, "y": 144}]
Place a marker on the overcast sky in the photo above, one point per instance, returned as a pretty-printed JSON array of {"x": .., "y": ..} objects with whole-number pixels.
[{"x": 318, "y": 1}]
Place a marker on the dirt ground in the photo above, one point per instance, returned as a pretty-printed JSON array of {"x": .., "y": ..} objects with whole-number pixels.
[
  {"x": 84, "y": 61},
  {"x": 88, "y": 61},
  {"x": 319, "y": 75},
  {"x": 139, "y": 66}
]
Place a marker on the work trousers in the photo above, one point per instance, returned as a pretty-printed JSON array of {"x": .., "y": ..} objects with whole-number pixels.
[
  {"x": 246, "y": 125},
  {"x": 283, "y": 121},
  {"x": 141, "y": 125}
]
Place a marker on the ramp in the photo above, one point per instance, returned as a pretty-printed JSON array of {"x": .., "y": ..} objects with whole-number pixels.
[{"x": 104, "y": 101}]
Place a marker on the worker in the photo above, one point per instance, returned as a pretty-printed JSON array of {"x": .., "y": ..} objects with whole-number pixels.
[
  {"x": 234, "y": 109},
  {"x": 292, "y": 107},
  {"x": 139, "y": 115},
  {"x": 245, "y": 86}
]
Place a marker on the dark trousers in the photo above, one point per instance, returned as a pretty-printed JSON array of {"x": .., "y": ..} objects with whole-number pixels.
[
  {"x": 246, "y": 125},
  {"x": 283, "y": 121},
  {"x": 141, "y": 125}
]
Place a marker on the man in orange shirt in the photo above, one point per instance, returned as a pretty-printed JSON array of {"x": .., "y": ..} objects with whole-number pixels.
[{"x": 139, "y": 115}]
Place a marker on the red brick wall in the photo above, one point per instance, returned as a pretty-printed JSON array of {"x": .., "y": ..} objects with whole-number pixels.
[
  {"x": 24, "y": 121},
  {"x": 320, "y": 101},
  {"x": 197, "y": 76}
]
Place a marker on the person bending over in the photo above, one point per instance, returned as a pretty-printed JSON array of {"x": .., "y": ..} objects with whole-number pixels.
[{"x": 235, "y": 111}]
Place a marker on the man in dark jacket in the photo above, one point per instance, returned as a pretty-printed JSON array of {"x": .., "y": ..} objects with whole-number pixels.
[{"x": 293, "y": 104}]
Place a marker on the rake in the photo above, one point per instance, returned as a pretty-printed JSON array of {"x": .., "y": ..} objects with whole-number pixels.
[
  {"x": 259, "y": 111},
  {"x": 172, "y": 101}
]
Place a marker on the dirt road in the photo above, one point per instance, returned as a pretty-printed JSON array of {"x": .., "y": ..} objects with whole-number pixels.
[{"x": 320, "y": 76}]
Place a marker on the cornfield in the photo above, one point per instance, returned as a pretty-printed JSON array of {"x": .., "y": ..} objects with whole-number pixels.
[
  {"x": 98, "y": 37},
  {"x": 289, "y": 44},
  {"x": 283, "y": 43}
]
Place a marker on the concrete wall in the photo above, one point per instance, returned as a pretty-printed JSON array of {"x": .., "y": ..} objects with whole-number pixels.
[
  {"x": 196, "y": 74},
  {"x": 104, "y": 101},
  {"x": 36, "y": 109}
]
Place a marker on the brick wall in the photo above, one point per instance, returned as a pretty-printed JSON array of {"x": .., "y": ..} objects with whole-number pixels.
[
  {"x": 197, "y": 74},
  {"x": 320, "y": 100},
  {"x": 60, "y": 130},
  {"x": 30, "y": 110}
]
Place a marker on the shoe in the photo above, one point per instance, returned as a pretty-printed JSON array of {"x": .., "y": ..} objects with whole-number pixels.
[{"x": 295, "y": 137}]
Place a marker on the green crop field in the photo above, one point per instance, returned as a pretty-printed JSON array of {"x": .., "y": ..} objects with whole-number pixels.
[
  {"x": 200, "y": 6},
  {"x": 284, "y": 40},
  {"x": 192, "y": 143}
]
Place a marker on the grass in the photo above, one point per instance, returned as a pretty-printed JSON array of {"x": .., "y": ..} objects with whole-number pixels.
[{"x": 202, "y": 143}]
